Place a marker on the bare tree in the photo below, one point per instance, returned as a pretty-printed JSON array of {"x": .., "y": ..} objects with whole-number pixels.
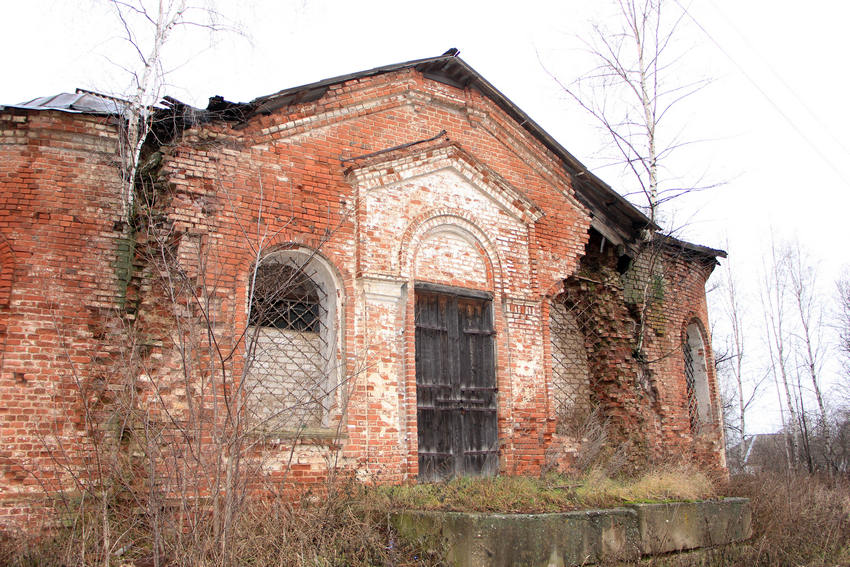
[
  {"x": 809, "y": 340},
  {"x": 795, "y": 334},
  {"x": 774, "y": 298},
  {"x": 148, "y": 27},
  {"x": 843, "y": 321},
  {"x": 745, "y": 390},
  {"x": 632, "y": 90}
]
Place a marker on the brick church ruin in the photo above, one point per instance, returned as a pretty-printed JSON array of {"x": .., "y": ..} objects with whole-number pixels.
[{"x": 394, "y": 273}]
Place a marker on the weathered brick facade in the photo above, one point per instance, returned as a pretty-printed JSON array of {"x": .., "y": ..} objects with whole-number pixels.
[
  {"x": 410, "y": 174},
  {"x": 61, "y": 257}
]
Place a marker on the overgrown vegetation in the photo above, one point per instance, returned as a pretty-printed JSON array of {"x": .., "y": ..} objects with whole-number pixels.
[
  {"x": 343, "y": 523},
  {"x": 797, "y": 520},
  {"x": 337, "y": 526}
]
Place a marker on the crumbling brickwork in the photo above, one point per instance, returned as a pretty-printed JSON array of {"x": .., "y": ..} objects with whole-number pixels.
[
  {"x": 638, "y": 385},
  {"x": 389, "y": 180}
]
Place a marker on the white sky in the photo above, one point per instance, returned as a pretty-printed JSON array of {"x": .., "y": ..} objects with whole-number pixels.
[{"x": 774, "y": 115}]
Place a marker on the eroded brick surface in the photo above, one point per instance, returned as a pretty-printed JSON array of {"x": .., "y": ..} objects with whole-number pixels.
[
  {"x": 63, "y": 252},
  {"x": 484, "y": 207}
]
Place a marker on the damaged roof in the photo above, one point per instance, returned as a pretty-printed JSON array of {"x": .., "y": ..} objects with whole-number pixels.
[
  {"x": 80, "y": 102},
  {"x": 612, "y": 215}
]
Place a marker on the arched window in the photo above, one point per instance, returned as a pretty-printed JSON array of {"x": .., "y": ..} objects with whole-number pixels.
[
  {"x": 570, "y": 371},
  {"x": 696, "y": 377},
  {"x": 292, "y": 342}
]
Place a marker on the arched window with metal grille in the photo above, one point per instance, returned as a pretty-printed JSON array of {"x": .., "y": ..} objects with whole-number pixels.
[
  {"x": 696, "y": 377},
  {"x": 292, "y": 342},
  {"x": 570, "y": 389}
]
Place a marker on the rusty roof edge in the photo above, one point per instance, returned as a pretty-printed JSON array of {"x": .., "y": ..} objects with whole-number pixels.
[{"x": 691, "y": 247}]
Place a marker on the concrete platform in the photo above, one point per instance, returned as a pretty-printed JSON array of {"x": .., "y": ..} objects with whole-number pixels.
[
  {"x": 577, "y": 538},
  {"x": 677, "y": 526}
]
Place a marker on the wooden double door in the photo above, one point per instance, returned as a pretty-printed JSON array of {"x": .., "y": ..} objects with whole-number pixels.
[{"x": 455, "y": 383}]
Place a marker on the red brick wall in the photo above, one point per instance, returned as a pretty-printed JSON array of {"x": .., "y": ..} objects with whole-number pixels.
[
  {"x": 684, "y": 302},
  {"x": 59, "y": 249},
  {"x": 383, "y": 217},
  {"x": 483, "y": 207}
]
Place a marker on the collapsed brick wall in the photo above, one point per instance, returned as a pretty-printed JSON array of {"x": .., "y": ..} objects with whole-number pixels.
[
  {"x": 616, "y": 396},
  {"x": 639, "y": 390}
]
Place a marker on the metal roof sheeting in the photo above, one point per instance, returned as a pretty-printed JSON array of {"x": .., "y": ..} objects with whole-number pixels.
[{"x": 80, "y": 102}]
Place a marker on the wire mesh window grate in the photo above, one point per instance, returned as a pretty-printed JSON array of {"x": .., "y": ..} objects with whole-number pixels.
[
  {"x": 570, "y": 331},
  {"x": 691, "y": 386},
  {"x": 291, "y": 336},
  {"x": 285, "y": 297}
]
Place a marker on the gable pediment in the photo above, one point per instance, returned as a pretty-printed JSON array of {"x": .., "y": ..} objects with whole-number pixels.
[{"x": 393, "y": 169}]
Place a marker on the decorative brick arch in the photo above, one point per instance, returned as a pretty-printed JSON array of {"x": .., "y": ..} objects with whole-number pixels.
[
  {"x": 693, "y": 319},
  {"x": 7, "y": 271},
  {"x": 458, "y": 223},
  {"x": 304, "y": 245},
  {"x": 284, "y": 240}
]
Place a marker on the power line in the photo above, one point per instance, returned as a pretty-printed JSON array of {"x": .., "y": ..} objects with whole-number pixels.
[
  {"x": 779, "y": 77},
  {"x": 767, "y": 97}
]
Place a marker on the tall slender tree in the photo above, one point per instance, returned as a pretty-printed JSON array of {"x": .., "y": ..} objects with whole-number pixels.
[
  {"x": 149, "y": 28},
  {"x": 633, "y": 89}
]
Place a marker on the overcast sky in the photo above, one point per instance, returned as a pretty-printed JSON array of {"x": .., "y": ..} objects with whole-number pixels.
[{"x": 773, "y": 119}]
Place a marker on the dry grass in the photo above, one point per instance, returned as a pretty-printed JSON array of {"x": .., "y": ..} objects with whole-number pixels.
[
  {"x": 499, "y": 494},
  {"x": 798, "y": 520},
  {"x": 338, "y": 527},
  {"x": 549, "y": 493},
  {"x": 654, "y": 486}
]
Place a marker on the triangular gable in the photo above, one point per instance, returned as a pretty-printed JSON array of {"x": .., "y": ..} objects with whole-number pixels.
[{"x": 394, "y": 168}]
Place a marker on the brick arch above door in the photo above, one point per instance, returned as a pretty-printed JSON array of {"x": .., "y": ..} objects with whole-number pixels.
[{"x": 446, "y": 251}]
